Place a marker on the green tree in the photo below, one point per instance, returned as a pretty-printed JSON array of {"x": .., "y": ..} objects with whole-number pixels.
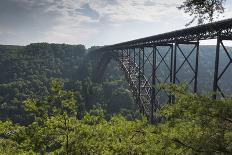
[
  {"x": 55, "y": 120},
  {"x": 194, "y": 124},
  {"x": 198, "y": 124}
]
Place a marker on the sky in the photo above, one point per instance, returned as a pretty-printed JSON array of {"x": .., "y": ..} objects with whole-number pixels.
[{"x": 89, "y": 22}]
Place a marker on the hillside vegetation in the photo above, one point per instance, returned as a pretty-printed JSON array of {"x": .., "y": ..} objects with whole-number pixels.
[{"x": 50, "y": 105}]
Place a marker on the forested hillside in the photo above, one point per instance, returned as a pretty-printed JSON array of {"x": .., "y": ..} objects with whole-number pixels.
[
  {"x": 27, "y": 72},
  {"x": 49, "y": 104}
]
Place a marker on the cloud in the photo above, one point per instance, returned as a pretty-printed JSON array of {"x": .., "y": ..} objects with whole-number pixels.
[
  {"x": 24, "y": 20},
  {"x": 86, "y": 10},
  {"x": 87, "y": 21},
  {"x": 114, "y": 10},
  {"x": 80, "y": 21},
  {"x": 125, "y": 10}
]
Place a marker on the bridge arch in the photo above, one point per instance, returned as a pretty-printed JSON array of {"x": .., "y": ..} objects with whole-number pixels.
[{"x": 100, "y": 68}]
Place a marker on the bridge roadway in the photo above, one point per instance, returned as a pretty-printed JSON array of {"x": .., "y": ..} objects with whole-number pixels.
[{"x": 133, "y": 57}]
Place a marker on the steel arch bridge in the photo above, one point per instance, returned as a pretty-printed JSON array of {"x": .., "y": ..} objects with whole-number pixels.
[{"x": 136, "y": 56}]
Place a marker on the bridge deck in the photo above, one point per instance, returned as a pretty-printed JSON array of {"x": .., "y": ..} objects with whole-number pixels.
[{"x": 201, "y": 32}]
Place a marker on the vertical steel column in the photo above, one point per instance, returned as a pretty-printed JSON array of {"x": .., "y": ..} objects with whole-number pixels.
[
  {"x": 215, "y": 82},
  {"x": 196, "y": 67},
  {"x": 129, "y": 61},
  {"x": 143, "y": 63},
  {"x": 174, "y": 69},
  {"x": 134, "y": 56},
  {"x": 143, "y": 73},
  {"x": 153, "y": 97},
  {"x": 143, "y": 57},
  {"x": 174, "y": 64},
  {"x": 171, "y": 71},
  {"x": 139, "y": 80},
  {"x": 122, "y": 54}
]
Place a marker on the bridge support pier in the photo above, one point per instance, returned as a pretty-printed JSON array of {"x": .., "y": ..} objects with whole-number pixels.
[
  {"x": 141, "y": 73},
  {"x": 155, "y": 103},
  {"x": 193, "y": 68},
  {"x": 134, "y": 72},
  {"x": 153, "y": 97},
  {"x": 217, "y": 76}
]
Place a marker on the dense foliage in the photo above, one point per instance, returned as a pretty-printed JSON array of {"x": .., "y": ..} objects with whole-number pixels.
[
  {"x": 49, "y": 104},
  {"x": 195, "y": 124},
  {"x": 26, "y": 72}
]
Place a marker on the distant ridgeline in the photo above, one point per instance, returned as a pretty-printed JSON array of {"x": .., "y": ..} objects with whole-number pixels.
[{"x": 26, "y": 72}]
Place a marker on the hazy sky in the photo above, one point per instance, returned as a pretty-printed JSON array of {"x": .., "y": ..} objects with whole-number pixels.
[{"x": 89, "y": 22}]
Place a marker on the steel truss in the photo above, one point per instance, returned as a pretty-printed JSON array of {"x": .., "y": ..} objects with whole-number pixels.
[
  {"x": 156, "y": 81},
  {"x": 134, "y": 74},
  {"x": 134, "y": 56},
  {"x": 202, "y": 32},
  {"x": 217, "y": 76},
  {"x": 144, "y": 87},
  {"x": 193, "y": 69}
]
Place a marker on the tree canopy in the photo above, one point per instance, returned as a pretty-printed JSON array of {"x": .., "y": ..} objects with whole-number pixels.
[{"x": 195, "y": 124}]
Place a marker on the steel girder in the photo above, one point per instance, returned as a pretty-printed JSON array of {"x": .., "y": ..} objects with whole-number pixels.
[
  {"x": 193, "y": 68},
  {"x": 134, "y": 73},
  {"x": 218, "y": 75},
  {"x": 143, "y": 86},
  {"x": 202, "y": 32},
  {"x": 134, "y": 61}
]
